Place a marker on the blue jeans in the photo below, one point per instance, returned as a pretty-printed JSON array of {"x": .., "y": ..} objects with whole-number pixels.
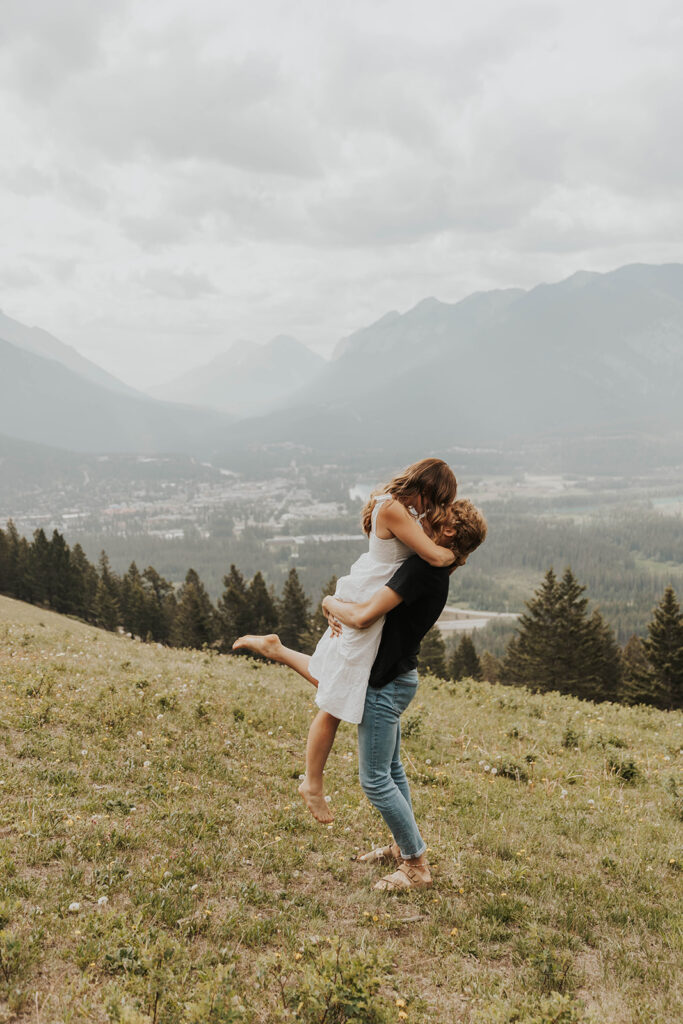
[{"x": 382, "y": 776}]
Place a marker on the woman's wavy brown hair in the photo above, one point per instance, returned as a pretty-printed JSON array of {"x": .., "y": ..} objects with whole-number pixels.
[
  {"x": 470, "y": 528},
  {"x": 433, "y": 479}
]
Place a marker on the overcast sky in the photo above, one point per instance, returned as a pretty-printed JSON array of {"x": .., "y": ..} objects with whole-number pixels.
[{"x": 177, "y": 175}]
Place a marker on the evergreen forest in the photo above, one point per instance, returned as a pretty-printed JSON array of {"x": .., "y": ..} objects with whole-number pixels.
[{"x": 561, "y": 644}]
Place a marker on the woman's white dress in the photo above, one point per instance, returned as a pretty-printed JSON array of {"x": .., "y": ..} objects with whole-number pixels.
[{"x": 342, "y": 664}]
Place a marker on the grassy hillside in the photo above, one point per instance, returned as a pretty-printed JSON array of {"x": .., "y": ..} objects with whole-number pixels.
[{"x": 156, "y": 864}]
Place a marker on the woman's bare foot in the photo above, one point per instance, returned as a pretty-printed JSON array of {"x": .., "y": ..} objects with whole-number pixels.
[
  {"x": 316, "y": 803},
  {"x": 269, "y": 646}
]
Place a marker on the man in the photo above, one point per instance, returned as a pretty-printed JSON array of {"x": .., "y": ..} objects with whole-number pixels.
[{"x": 412, "y": 601}]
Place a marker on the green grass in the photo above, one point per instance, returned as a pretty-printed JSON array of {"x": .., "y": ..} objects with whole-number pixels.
[{"x": 157, "y": 790}]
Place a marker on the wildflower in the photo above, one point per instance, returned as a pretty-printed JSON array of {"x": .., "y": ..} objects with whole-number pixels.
[
  {"x": 193, "y": 888},
  {"x": 402, "y": 1015},
  {"x": 146, "y": 764},
  {"x": 563, "y": 794},
  {"x": 428, "y": 761},
  {"x": 400, "y": 1002},
  {"x": 74, "y": 907},
  {"x": 494, "y": 771},
  {"x": 297, "y": 956},
  {"x": 591, "y": 802},
  {"x": 102, "y": 901},
  {"x": 454, "y": 931},
  {"x": 139, "y": 733},
  {"x": 84, "y": 753}
]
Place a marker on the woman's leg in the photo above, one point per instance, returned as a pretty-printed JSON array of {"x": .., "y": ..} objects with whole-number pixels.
[
  {"x": 320, "y": 739},
  {"x": 270, "y": 647},
  {"x": 378, "y": 739},
  {"x": 323, "y": 727}
]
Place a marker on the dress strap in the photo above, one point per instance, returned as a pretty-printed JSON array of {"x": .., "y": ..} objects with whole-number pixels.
[{"x": 380, "y": 498}]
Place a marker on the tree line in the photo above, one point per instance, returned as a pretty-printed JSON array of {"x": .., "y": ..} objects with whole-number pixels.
[
  {"x": 559, "y": 645},
  {"x": 48, "y": 573}
]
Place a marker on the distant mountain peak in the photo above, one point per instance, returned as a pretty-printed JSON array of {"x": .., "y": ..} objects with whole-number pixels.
[
  {"x": 42, "y": 343},
  {"x": 248, "y": 379}
]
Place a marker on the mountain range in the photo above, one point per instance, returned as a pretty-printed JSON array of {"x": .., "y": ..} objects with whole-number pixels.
[
  {"x": 46, "y": 401},
  {"x": 248, "y": 379},
  {"x": 594, "y": 355}
]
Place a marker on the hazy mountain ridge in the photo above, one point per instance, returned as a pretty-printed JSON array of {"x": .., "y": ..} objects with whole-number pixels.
[
  {"x": 248, "y": 379},
  {"x": 42, "y": 343},
  {"x": 43, "y": 401},
  {"x": 595, "y": 352}
]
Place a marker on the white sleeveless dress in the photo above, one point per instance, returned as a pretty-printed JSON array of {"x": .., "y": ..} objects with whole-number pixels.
[{"x": 342, "y": 664}]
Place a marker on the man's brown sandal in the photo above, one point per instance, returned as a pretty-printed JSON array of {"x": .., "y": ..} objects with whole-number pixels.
[
  {"x": 382, "y": 855},
  {"x": 406, "y": 876}
]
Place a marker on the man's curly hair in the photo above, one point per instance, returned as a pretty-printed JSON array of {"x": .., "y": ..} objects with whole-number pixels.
[{"x": 470, "y": 527}]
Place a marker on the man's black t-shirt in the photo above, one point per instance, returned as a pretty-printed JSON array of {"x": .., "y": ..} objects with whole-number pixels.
[{"x": 424, "y": 589}]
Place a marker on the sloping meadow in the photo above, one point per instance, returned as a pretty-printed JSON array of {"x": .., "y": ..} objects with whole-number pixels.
[{"x": 157, "y": 865}]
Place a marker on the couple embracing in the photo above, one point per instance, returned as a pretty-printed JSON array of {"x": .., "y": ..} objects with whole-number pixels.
[{"x": 365, "y": 664}]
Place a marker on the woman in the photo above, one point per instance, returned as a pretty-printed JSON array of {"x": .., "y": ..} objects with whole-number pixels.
[{"x": 412, "y": 601}]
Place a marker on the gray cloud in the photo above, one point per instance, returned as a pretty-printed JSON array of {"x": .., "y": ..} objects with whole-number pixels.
[
  {"x": 176, "y": 284},
  {"x": 206, "y": 172}
]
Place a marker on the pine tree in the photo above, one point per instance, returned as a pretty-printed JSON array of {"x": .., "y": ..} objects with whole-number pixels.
[
  {"x": 160, "y": 605},
  {"x": 604, "y": 673},
  {"x": 4, "y": 564},
  {"x": 195, "y": 622},
  {"x": 261, "y": 607},
  {"x": 465, "y": 663},
  {"x": 558, "y": 647},
  {"x": 234, "y": 609},
  {"x": 84, "y": 585},
  {"x": 294, "y": 625},
  {"x": 38, "y": 575},
  {"x": 491, "y": 667},
  {"x": 132, "y": 602},
  {"x": 107, "y": 610},
  {"x": 432, "y": 656},
  {"x": 638, "y": 683},
  {"x": 18, "y": 564},
  {"x": 664, "y": 651}
]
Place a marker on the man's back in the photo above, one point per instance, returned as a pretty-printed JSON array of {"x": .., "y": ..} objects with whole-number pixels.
[{"x": 424, "y": 590}]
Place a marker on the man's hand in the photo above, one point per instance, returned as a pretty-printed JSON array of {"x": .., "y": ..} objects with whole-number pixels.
[
  {"x": 334, "y": 623},
  {"x": 363, "y": 614}
]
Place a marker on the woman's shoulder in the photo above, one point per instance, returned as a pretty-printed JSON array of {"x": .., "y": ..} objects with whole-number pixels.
[{"x": 393, "y": 508}]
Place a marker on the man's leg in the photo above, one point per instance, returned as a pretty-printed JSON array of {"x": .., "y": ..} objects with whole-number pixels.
[
  {"x": 397, "y": 770},
  {"x": 377, "y": 740},
  {"x": 270, "y": 647}
]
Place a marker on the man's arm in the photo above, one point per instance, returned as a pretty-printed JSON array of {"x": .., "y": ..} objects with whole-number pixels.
[{"x": 360, "y": 615}]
